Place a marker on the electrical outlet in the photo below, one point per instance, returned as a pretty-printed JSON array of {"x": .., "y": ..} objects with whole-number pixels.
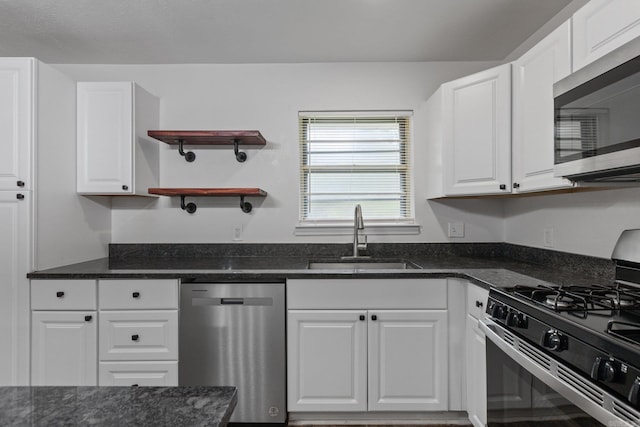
[
  {"x": 237, "y": 233},
  {"x": 548, "y": 238},
  {"x": 456, "y": 229}
]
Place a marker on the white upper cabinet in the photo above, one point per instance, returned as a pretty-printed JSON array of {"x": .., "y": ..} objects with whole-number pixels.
[
  {"x": 602, "y": 26},
  {"x": 533, "y": 113},
  {"x": 115, "y": 155},
  {"x": 16, "y": 122},
  {"x": 470, "y": 135}
]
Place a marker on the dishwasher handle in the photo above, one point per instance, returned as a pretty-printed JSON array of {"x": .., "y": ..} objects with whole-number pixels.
[{"x": 232, "y": 301}]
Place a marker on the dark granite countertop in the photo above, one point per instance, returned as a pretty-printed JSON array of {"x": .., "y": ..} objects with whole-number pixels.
[
  {"x": 502, "y": 266},
  {"x": 116, "y": 406}
]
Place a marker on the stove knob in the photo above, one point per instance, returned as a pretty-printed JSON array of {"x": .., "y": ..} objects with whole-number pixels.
[
  {"x": 554, "y": 340},
  {"x": 498, "y": 311},
  {"x": 634, "y": 393},
  {"x": 604, "y": 370},
  {"x": 516, "y": 320},
  {"x": 513, "y": 319}
]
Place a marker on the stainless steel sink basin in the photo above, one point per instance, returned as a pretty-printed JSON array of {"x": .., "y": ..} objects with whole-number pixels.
[{"x": 362, "y": 265}]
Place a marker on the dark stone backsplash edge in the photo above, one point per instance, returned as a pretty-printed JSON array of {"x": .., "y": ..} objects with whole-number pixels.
[{"x": 583, "y": 265}]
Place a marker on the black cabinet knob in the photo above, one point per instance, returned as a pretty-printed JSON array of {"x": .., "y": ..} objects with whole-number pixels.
[
  {"x": 135, "y": 337},
  {"x": 125, "y": 187},
  {"x": 136, "y": 294},
  {"x": 516, "y": 185},
  {"x": 20, "y": 196},
  {"x": 59, "y": 294},
  {"x": 503, "y": 187},
  {"x": 374, "y": 317},
  {"x": 362, "y": 317},
  {"x": 20, "y": 183},
  {"x": 478, "y": 304},
  {"x": 88, "y": 318}
]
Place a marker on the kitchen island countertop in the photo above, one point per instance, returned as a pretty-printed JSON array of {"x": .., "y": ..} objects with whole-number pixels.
[{"x": 116, "y": 406}]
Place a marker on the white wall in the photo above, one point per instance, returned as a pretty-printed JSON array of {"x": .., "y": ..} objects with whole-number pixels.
[
  {"x": 587, "y": 223},
  {"x": 268, "y": 98}
]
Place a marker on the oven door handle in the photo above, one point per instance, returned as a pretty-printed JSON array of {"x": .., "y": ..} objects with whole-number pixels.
[{"x": 548, "y": 376}]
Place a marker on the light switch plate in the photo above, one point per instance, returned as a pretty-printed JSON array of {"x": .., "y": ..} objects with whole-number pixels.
[{"x": 456, "y": 229}]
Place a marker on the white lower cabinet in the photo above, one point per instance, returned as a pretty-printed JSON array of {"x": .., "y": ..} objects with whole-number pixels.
[
  {"x": 129, "y": 337},
  {"x": 476, "y": 358},
  {"x": 64, "y": 333},
  {"x": 64, "y": 348},
  {"x": 328, "y": 361},
  {"x": 476, "y": 361},
  {"x": 407, "y": 360},
  {"x": 138, "y": 332},
  {"x": 357, "y": 360}
]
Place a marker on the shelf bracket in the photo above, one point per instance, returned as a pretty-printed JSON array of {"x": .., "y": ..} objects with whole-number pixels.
[
  {"x": 189, "y": 156},
  {"x": 189, "y": 207},
  {"x": 240, "y": 156},
  {"x": 245, "y": 206}
]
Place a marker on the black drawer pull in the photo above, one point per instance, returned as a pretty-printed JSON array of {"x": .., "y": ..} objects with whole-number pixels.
[
  {"x": 59, "y": 294},
  {"x": 88, "y": 318},
  {"x": 135, "y": 337},
  {"x": 362, "y": 317},
  {"x": 374, "y": 317},
  {"x": 479, "y": 304},
  {"x": 20, "y": 196},
  {"x": 136, "y": 294}
]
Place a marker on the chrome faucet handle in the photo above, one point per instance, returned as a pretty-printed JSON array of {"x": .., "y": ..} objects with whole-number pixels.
[{"x": 363, "y": 244}]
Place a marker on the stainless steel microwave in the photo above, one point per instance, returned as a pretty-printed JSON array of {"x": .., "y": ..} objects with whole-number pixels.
[{"x": 597, "y": 119}]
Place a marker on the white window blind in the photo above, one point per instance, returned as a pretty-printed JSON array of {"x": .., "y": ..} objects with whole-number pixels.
[{"x": 355, "y": 158}]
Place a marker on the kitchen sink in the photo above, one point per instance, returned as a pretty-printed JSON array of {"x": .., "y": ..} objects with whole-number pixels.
[{"x": 362, "y": 264}]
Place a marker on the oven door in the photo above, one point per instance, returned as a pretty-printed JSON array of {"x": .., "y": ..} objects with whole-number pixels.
[{"x": 526, "y": 387}]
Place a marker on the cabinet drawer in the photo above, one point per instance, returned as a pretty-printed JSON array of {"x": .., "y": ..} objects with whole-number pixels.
[
  {"x": 63, "y": 294},
  {"x": 367, "y": 293},
  {"x": 476, "y": 300},
  {"x": 138, "y": 294},
  {"x": 138, "y": 335},
  {"x": 149, "y": 373}
]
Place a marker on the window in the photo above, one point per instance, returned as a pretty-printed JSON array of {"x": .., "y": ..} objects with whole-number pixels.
[{"x": 355, "y": 158}]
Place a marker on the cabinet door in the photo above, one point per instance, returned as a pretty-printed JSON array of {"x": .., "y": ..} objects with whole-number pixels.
[
  {"x": 14, "y": 287},
  {"x": 105, "y": 137},
  {"x": 408, "y": 366},
  {"x": 601, "y": 26},
  {"x": 477, "y": 133},
  {"x": 533, "y": 138},
  {"x": 476, "y": 373},
  {"x": 327, "y": 360},
  {"x": 16, "y": 122},
  {"x": 64, "y": 348}
]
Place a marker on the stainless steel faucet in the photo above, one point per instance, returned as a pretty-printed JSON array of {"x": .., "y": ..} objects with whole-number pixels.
[{"x": 358, "y": 224}]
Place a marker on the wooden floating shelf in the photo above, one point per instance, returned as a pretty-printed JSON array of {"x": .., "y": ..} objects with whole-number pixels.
[
  {"x": 209, "y": 192},
  {"x": 209, "y": 137}
]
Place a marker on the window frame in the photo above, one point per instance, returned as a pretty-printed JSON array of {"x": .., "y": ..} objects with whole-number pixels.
[{"x": 398, "y": 225}]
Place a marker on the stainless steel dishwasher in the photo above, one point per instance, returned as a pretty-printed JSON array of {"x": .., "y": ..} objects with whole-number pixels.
[{"x": 234, "y": 334}]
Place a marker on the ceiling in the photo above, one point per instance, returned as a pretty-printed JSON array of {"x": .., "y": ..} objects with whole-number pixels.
[{"x": 268, "y": 31}]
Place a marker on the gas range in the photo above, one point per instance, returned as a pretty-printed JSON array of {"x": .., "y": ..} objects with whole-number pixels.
[{"x": 594, "y": 330}]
